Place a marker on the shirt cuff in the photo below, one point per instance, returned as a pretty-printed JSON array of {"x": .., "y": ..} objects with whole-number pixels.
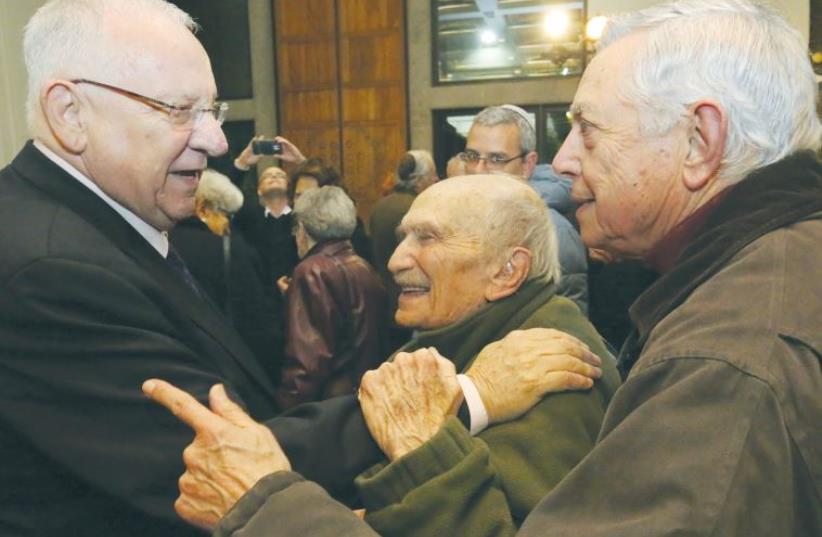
[{"x": 476, "y": 409}]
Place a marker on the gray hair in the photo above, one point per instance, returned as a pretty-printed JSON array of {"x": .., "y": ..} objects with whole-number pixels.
[
  {"x": 217, "y": 191},
  {"x": 65, "y": 39},
  {"x": 326, "y": 213},
  {"x": 416, "y": 164},
  {"x": 742, "y": 54},
  {"x": 508, "y": 114}
]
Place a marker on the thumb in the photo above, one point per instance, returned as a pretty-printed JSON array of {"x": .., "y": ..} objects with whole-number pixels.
[{"x": 223, "y": 406}]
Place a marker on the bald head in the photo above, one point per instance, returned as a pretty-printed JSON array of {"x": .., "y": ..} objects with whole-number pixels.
[
  {"x": 469, "y": 241},
  {"x": 501, "y": 212}
]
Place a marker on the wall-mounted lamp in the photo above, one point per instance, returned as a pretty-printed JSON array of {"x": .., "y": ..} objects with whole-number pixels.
[{"x": 556, "y": 23}]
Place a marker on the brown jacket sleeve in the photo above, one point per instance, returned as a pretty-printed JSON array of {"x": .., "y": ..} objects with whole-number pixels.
[{"x": 689, "y": 447}]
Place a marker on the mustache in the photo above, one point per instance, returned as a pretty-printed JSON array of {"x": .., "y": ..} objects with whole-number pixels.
[{"x": 405, "y": 279}]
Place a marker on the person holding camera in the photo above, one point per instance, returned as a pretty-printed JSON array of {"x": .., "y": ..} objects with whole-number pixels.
[{"x": 266, "y": 223}]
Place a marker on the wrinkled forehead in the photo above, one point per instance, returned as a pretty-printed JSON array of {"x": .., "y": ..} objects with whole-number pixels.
[
  {"x": 452, "y": 209},
  {"x": 496, "y": 138},
  {"x": 609, "y": 72}
]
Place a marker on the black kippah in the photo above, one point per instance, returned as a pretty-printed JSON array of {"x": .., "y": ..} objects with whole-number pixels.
[{"x": 406, "y": 167}]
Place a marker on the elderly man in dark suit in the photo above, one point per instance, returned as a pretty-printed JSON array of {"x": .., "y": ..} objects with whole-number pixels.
[{"x": 123, "y": 111}]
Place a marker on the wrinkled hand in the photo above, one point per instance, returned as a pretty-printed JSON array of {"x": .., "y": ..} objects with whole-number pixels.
[
  {"x": 246, "y": 159},
  {"x": 291, "y": 152},
  {"x": 405, "y": 402},
  {"x": 229, "y": 454},
  {"x": 513, "y": 374}
]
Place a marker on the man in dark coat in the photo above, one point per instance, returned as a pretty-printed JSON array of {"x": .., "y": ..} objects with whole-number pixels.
[{"x": 123, "y": 114}]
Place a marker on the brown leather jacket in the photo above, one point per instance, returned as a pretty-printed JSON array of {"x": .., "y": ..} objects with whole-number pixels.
[{"x": 336, "y": 320}]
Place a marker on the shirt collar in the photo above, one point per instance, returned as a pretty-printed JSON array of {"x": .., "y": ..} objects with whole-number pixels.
[
  {"x": 156, "y": 238},
  {"x": 274, "y": 215}
]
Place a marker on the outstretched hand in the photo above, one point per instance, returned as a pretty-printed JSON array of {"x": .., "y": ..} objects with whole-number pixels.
[{"x": 229, "y": 454}]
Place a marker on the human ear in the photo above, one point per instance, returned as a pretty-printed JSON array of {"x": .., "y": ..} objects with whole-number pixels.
[
  {"x": 510, "y": 277},
  {"x": 706, "y": 144},
  {"x": 530, "y": 161},
  {"x": 61, "y": 106}
]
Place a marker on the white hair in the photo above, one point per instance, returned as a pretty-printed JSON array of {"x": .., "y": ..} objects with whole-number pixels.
[
  {"x": 326, "y": 213},
  {"x": 217, "y": 190},
  {"x": 508, "y": 114},
  {"x": 742, "y": 54},
  {"x": 512, "y": 215},
  {"x": 521, "y": 218},
  {"x": 65, "y": 39}
]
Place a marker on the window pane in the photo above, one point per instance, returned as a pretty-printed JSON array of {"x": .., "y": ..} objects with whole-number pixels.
[
  {"x": 497, "y": 39},
  {"x": 557, "y": 128},
  {"x": 224, "y": 34}
]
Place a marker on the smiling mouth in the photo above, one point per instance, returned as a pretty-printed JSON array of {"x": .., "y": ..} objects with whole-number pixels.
[{"x": 413, "y": 291}]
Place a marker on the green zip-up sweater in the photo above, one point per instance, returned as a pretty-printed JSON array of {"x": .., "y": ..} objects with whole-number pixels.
[{"x": 527, "y": 456}]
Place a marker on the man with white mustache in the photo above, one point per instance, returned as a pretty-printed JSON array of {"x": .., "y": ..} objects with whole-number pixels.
[{"x": 477, "y": 261}]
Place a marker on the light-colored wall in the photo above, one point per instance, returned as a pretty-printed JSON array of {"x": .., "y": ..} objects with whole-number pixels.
[
  {"x": 424, "y": 98},
  {"x": 13, "y": 17}
]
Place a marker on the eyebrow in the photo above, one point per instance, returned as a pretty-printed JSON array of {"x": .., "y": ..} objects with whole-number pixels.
[{"x": 417, "y": 228}]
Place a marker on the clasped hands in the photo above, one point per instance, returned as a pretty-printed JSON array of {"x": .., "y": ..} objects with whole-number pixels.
[{"x": 405, "y": 403}]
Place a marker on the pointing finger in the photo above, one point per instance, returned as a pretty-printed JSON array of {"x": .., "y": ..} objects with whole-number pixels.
[{"x": 181, "y": 404}]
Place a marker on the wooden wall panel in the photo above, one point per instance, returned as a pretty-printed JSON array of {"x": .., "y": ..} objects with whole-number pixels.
[
  {"x": 374, "y": 97},
  {"x": 342, "y": 90},
  {"x": 296, "y": 18},
  {"x": 308, "y": 76}
]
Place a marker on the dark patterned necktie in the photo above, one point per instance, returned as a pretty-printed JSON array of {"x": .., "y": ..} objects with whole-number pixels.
[{"x": 178, "y": 265}]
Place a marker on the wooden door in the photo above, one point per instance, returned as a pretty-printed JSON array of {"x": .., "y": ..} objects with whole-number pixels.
[{"x": 342, "y": 86}]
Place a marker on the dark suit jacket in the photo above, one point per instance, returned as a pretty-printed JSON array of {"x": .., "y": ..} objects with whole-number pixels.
[
  {"x": 247, "y": 297},
  {"x": 88, "y": 311}
]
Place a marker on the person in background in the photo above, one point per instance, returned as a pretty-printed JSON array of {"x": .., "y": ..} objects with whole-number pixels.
[
  {"x": 229, "y": 270},
  {"x": 415, "y": 172},
  {"x": 337, "y": 309},
  {"x": 266, "y": 221},
  {"x": 315, "y": 173},
  {"x": 502, "y": 140}
]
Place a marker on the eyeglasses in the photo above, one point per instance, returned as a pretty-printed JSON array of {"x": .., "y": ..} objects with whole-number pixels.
[
  {"x": 187, "y": 116},
  {"x": 492, "y": 161}
]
